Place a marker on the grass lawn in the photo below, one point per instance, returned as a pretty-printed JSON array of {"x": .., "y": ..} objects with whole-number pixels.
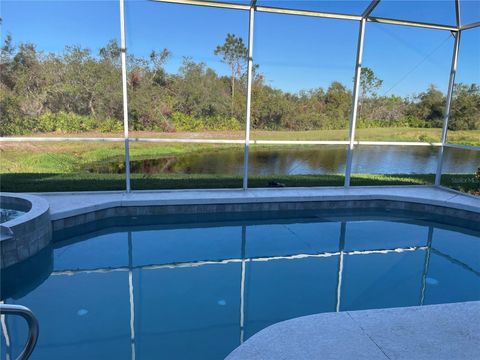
[{"x": 470, "y": 137}]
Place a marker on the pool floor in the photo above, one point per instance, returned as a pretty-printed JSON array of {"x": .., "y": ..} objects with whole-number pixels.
[{"x": 196, "y": 288}]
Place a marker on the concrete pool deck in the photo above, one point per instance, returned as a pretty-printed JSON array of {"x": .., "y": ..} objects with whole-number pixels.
[
  {"x": 64, "y": 205},
  {"x": 433, "y": 332}
]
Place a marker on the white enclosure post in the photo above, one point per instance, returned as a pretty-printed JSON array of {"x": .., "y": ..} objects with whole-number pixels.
[
  {"x": 457, "y": 14},
  {"x": 249, "y": 94},
  {"x": 125, "y": 95},
  {"x": 448, "y": 104},
  {"x": 353, "y": 114}
]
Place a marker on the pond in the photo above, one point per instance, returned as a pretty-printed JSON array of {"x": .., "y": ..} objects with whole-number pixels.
[{"x": 303, "y": 160}]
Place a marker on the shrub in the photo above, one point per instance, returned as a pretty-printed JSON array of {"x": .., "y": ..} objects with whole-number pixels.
[
  {"x": 110, "y": 125},
  {"x": 11, "y": 122},
  {"x": 70, "y": 122},
  {"x": 184, "y": 122},
  {"x": 221, "y": 123}
]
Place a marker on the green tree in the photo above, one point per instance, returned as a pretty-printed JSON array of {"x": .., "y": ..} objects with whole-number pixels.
[
  {"x": 234, "y": 54},
  {"x": 78, "y": 90},
  {"x": 111, "y": 53},
  {"x": 199, "y": 91},
  {"x": 430, "y": 106},
  {"x": 465, "y": 111},
  {"x": 158, "y": 59},
  {"x": 369, "y": 82},
  {"x": 6, "y": 66},
  {"x": 338, "y": 104}
]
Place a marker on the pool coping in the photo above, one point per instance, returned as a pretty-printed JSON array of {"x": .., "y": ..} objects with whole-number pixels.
[
  {"x": 65, "y": 205},
  {"x": 430, "y": 332}
]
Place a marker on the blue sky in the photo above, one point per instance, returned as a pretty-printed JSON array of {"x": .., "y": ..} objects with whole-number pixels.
[{"x": 294, "y": 52}]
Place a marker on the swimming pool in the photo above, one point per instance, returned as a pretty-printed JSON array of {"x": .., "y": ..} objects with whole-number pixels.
[{"x": 197, "y": 286}]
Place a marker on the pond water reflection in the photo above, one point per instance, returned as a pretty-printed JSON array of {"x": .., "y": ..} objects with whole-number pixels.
[{"x": 304, "y": 160}]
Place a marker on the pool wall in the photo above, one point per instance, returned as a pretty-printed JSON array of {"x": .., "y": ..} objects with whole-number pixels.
[{"x": 457, "y": 215}]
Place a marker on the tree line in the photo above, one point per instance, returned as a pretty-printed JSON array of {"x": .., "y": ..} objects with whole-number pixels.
[{"x": 79, "y": 90}]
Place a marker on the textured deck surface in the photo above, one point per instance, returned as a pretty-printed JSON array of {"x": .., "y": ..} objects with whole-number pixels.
[{"x": 435, "y": 332}]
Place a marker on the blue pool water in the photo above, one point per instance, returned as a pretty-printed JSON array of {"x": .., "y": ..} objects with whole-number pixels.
[{"x": 195, "y": 287}]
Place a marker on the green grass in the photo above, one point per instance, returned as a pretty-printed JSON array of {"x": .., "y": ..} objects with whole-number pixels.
[
  {"x": 432, "y": 135},
  {"x": 31, "y": 182},
  {"x": 467, "y": 137}
]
